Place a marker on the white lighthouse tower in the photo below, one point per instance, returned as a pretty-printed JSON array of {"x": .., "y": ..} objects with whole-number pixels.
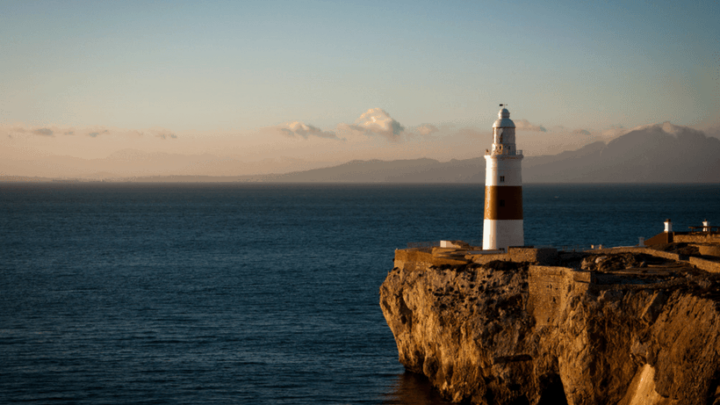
[{"x": 503, "y": 224}]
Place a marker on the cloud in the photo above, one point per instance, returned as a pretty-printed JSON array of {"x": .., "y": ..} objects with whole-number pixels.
[
  {"x": 614, "y": 131},
  {"x": 673, "y": 129},
  {"x": 94, "y": 134},
  {"x": 426, "y": 129},
  {"x": 377, "y": 121},
  {"x": 524, "y": 125},
  {"x": 305, "y": 131},
  {"x": 18, "y": 129},
  {"x": 581, "y": 132},
  {"x": 163, "y": 134},
  {"x": 42, "y": 131},
  {"x": 713, "y": 131}
]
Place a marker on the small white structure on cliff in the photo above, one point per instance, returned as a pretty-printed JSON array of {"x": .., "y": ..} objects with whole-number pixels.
[{"x": 503, "y": 224}]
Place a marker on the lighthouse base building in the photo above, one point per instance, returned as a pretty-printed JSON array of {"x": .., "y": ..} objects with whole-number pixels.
[{"x": 503, "y": 222}]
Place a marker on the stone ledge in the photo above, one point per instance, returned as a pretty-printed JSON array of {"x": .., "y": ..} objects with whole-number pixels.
[
  {"x": 631, "y": 249},
  {"x": 707, "y": 265}
]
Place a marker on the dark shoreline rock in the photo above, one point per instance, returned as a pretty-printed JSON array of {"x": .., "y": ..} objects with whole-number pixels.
[{"x": 513, "y": 333}]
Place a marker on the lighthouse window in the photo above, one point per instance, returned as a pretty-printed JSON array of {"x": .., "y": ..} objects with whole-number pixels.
[
  {"x": 502, "y": 203},
  {"x": 502, "y": 179}
]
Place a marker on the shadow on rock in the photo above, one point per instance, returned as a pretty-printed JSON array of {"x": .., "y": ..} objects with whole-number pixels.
[{"x": 414, "y": 389}]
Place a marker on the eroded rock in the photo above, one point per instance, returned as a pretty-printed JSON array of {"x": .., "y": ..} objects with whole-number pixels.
[{"x": 503, "y": 332}]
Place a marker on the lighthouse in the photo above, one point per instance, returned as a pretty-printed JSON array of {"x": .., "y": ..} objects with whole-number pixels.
[{"x": 503, "y": 224}]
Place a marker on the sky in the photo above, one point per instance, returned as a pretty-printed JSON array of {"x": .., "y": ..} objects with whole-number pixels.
[{"x": 277, "y": 86}]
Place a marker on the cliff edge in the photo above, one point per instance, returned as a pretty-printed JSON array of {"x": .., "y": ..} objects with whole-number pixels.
[{"x": 537, "y": 326}]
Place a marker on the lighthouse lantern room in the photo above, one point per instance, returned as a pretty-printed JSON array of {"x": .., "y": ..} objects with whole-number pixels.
[{"x": 503, "y": 223}]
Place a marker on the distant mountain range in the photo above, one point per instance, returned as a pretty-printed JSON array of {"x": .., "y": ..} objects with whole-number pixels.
[
  {"x": 661, "y": 153},
  {"x": 134, "y": 165}
]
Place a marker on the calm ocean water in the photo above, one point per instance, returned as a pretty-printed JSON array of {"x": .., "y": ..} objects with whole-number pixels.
[{"x": 252, "y": 294}]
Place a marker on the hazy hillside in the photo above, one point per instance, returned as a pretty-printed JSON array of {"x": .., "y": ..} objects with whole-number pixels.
[
  {"x": 130, "y": 163},
  {"x": 653, "y": 154},
  {"x": 662, "y": 153},
  {"x": 648, "y": 155},
  {"x": 396, "y": 171}
]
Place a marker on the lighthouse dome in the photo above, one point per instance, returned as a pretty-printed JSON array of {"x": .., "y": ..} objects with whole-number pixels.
[{"x": 504, "y": 120}]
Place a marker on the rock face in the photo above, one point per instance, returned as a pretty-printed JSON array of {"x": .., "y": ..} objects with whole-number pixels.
[{"x": 523, "y": 333}]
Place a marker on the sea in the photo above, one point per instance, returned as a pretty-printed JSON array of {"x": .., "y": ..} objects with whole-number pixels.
[{"x": 243, "y": 293}]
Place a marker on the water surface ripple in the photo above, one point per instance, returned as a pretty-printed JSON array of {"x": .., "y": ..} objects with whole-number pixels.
[{"x": 254, "y": 294}]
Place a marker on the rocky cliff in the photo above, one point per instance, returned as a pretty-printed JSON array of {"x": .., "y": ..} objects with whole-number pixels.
[{"x": 622, "y": 328}]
